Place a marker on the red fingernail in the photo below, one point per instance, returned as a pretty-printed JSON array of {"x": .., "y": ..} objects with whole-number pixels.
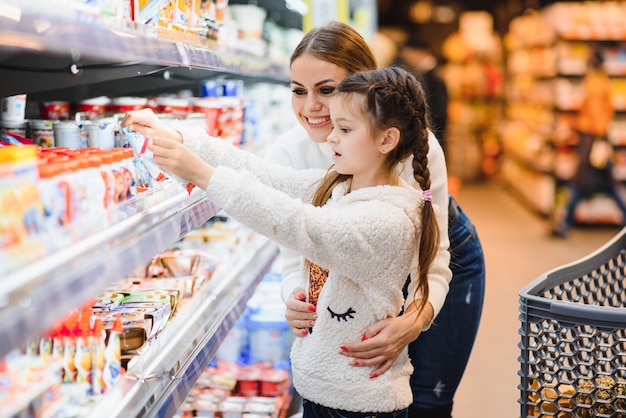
[
  {"x": 364, "y": 338},
  {"x": 301, "y": 296},
  {"x": 312, "y": 308},
  {"x": 354, "y": 363},
  {"x": 344, "y": 348},
  {"x": 304, "y": 332},
  {"x": 373, "y": 376}
]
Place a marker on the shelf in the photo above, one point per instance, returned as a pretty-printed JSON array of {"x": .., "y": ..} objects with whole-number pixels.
[
  {"x": 535, "y": 189},
  {"x": 61, "y": 51},
  {"x": 34, "y": 297},
  {"x": 531, "y": 163},
  {"x": 157, "y": 381},
  {"x": 54, "y": 47}
]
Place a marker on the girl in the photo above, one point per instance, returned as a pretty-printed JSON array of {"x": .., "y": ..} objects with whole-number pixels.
[{"x": 364, "y": 232}]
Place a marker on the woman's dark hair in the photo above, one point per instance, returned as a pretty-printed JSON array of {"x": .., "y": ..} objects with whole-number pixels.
[
  {"x": 339, "y": 44},
  {"x": 394, "y": 98}
]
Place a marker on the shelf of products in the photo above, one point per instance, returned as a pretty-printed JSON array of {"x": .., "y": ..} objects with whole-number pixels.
[
  {"x": 62, "y": 51},
  {"x": 54, "y": 47},
  {"x": 547, "y": 55},
  {"x": 69, "y": 277},
  {"x": 157, "y": 382},
  {"x": 474, "y": 77}
]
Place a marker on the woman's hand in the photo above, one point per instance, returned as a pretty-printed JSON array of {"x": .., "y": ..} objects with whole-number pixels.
[
  {"x": 174, "y": 158},
  {"x": 149, "y": 125},
  {"x": 385, "y": 340},
  {"x": 300, "y": 314}
]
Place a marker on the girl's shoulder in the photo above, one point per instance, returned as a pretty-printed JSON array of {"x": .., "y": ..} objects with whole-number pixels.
[{"x": 403, "y": 196}]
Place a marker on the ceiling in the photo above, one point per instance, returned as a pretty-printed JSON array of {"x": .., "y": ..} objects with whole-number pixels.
[
  {"x": 398, "y": 12},
  {"x": 277, "y": 11}
]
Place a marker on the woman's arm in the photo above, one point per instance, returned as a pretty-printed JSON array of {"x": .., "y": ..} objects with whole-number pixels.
[{"x": 439, "y": 275}]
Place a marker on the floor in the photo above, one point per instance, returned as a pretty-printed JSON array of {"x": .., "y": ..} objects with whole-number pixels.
[{"x": 517, "y": 250}]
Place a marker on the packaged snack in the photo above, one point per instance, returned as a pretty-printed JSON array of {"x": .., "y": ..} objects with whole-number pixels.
[
  {"x": 112, "y": 355},
  {"x": 139, "y": 144}
]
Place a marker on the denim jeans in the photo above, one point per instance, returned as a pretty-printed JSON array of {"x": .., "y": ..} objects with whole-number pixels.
[
  {"x": 313, "y": 410},
  {"x": 440, "y": 354}
]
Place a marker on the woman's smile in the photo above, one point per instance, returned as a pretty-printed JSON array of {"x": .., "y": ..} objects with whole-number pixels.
[{"x": 317, "y": 121}]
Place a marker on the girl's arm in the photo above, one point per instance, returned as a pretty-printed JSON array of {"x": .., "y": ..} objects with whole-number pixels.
[
  {"x": 365, "y": 229},
  {"x": 375, "y": 232},
  {"x": 215, "y": 152}
]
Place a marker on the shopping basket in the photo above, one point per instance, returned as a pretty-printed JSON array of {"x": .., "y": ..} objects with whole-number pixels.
[{"x": 573, "y": 338}]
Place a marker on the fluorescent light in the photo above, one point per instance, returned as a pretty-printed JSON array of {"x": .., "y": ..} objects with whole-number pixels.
[{"x": 297, "y": 6}]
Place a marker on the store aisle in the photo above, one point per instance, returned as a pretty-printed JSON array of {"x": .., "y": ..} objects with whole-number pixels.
[{"x": 517, "y": 250}]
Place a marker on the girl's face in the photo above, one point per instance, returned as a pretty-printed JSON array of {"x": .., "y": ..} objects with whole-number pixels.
[
  {"x": 356, "y": 149},
  {"x": 312, "y": 82}
]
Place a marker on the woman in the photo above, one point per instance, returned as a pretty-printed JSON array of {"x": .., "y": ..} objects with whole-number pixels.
[{"x": 322, "y": 59}]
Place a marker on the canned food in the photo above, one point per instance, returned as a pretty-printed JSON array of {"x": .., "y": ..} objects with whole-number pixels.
[
  {"x": 41, "y": 133},
  {"x": 67, "y": 134},
  {"x": 10, "y": 127},
  {"x": 100, "y": 135}
]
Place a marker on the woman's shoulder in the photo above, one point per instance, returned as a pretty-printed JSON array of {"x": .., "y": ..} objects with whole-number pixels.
[
  {"x": 293, "y": 148},
  {"x": 294, "y": 138}
]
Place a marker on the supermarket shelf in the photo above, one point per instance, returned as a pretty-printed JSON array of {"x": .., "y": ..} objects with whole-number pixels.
[
  {"x": 32, "y": 298},
  {"x": 535, "y": 189},
  {"x": 157, "y": 383},
  {"x": 48, "y": 46},
  {"x": 61, "y": 51},
  {"x": 531, "y": 160}
]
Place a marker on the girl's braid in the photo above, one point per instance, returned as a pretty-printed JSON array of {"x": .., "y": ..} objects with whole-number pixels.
[{"x": 412, "y": 96}]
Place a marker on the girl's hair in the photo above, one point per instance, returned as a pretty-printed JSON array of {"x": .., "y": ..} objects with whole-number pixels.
[
  {"x": 394, "y": 98},
  {"x": 339, "y": 44}
]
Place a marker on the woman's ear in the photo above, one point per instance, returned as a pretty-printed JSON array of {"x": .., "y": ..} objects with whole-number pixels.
[{"x": 390, "y": 140}]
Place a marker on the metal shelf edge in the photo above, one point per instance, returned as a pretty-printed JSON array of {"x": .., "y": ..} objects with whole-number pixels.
[{"x": 30, "y": 26}]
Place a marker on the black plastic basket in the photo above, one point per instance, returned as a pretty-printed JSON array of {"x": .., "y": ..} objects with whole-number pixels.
[{"x": 573, "y": 338}]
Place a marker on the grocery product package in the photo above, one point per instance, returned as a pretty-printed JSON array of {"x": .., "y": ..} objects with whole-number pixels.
[{"x": 139, "y": 144}]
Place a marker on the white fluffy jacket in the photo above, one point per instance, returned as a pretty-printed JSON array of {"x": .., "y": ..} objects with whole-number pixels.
[
  {"x": 295, "y": 149},
  {"x": 366, "y": 238}
]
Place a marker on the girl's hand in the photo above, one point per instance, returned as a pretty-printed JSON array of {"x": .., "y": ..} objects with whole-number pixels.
[
  {"x": 149, "y": 125},
  {"x": 300, "y": 314},
  {"x": 173, "y": 157}
]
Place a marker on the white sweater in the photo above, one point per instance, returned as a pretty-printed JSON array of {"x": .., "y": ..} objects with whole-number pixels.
[
  {"x": 295, "y": 149},
  {"x": 366, "y": 238}
]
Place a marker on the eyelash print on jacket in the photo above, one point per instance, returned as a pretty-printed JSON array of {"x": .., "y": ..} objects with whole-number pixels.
[{"x": 344, "y": 316}]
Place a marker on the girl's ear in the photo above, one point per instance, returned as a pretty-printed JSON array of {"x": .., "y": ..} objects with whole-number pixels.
[{"x": 390, "y": 140}]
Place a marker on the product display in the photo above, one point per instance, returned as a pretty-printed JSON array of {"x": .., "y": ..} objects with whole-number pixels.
[
  {"x": 547, "y": 57},
  {"x": 474, "y": 77},
  {"x": 83, "y": 231}
]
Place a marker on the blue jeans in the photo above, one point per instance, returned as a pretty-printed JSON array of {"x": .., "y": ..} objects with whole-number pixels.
[
  {"x": 313, "y": 410},
  {"x": 440, "y": 354}
]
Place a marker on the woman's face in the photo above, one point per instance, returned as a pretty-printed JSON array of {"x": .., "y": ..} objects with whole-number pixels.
[{"x": 312, "y": 82}]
